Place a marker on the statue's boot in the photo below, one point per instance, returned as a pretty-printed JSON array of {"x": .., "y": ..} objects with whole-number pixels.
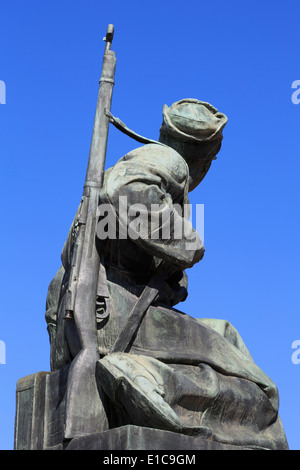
[{"x": 139, "y": 389}]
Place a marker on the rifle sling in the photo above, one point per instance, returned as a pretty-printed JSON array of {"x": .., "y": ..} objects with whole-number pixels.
[
  {"x": 139, "y": 309},
  {"x": 123, "y": 128}
]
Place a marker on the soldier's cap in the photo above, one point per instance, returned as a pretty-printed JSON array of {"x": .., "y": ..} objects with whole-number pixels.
[{"x": 192, "y": 120}]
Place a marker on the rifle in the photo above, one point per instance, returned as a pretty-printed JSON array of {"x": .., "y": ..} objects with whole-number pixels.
[{"x": 83, "y": 404}]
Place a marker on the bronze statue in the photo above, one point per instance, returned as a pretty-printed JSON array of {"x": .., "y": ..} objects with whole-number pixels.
[{"x": 132, "y": 358}]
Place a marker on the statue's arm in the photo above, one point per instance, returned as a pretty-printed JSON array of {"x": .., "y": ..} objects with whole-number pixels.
[{"x": 149, "y": 195}]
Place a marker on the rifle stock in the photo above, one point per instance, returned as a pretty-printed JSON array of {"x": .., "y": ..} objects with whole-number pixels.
[{"x": 84, "y": 409}]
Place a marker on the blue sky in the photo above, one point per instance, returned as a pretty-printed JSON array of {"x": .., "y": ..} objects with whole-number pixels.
[{"x": 242, "y": 57}]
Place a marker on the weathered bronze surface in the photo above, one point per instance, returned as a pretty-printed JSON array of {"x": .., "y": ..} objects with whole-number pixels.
[{"x": 127, "y": 367}]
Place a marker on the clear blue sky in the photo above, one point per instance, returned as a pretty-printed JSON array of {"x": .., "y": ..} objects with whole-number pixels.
[{"x": 240, "y": 56}]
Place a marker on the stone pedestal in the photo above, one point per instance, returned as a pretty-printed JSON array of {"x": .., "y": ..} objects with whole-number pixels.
[
  {"x": 40, "y": 411},
  {"x": 40, "y": 414},
  {"x": 141, "y": 438}
]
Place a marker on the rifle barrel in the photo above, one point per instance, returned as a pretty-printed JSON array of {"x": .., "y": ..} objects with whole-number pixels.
[{"x": 82, "y": 391}]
